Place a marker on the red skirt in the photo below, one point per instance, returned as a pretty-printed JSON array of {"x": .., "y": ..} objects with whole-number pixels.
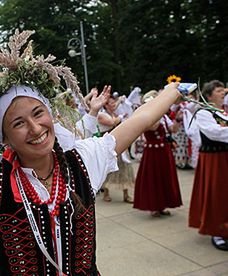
[
  {"x": 209, "y": 201},
  {"x": 156, "y": 186}
]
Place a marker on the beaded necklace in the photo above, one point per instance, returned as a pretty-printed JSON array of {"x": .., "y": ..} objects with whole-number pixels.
[
  {"x": 55, "y": 196},
  {"x": 49, "y": 175}
]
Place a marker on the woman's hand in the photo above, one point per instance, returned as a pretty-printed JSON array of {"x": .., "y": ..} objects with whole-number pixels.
[
  {"x": 174, "y": 86},
  {"x": 97, "y": 102},
  {"x": 144, "y": 117}
]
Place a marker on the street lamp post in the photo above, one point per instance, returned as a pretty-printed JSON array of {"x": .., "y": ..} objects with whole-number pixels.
[{"x": 75, "y": 43}]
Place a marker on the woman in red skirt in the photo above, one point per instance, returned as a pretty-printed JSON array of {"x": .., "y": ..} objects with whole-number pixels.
[
  {"x": 209, "y": 207},
  {"x": 156, "y": 186}
]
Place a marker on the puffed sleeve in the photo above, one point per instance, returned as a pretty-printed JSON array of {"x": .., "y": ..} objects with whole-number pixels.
[
  {"x": 209, "y": 127},
  {"x": 87, "y": 124},
  {"x": 66, "y": 138},
  {"x": 99, "y": 157}
]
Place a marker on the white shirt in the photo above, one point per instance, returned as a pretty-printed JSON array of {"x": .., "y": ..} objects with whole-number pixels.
[
  {"x": 191, "y": 127},
  {"x": 124, "y": 107},
  {"x": 209, "y": 127},
  {"x": 165, "y": 119},
  {"x": 99, "y": 157},
  {"x": 87, "y": 125}
]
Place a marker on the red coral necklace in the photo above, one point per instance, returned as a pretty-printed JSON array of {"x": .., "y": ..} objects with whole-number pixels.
[{"x": 57, "y": 183}]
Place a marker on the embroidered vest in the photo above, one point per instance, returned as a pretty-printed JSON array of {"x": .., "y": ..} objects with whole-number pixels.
[{"x": 19, "y": 252}]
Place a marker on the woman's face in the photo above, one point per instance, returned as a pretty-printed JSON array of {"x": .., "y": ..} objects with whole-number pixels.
[
  {"x": 217, "y": 96},
  {"x": 111, "y": 105},
  {"x": 28, "y": 129}
]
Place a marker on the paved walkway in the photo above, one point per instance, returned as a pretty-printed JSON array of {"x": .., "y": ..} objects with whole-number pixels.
[{"x": 132, "y": 243}]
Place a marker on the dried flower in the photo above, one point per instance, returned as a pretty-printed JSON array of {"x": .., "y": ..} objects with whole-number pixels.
[{"x": 22, "y": 68}]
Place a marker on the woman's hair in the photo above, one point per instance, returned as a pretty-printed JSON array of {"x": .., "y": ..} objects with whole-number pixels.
[
  {"x": 150, "y": 95},
  {"x": 210, "y": 86},
  {"x": 63, "y": 168}
]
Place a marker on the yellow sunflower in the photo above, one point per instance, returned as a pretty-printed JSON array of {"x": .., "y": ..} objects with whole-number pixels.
[{"x": 173, "y": 78}]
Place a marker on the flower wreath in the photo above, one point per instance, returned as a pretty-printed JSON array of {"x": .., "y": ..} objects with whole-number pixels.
[{"x": 21, "y": 67}]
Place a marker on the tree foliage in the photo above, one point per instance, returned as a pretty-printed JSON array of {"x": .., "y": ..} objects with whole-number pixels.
[{"x": 129, "y": 42}]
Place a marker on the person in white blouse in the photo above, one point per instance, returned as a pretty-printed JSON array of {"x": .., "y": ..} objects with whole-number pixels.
[
  {"x": 47, "y": 196},
  {"x": 209, "y": 208},
  {"x": 124, "y": 178},
  {"x": 86, "y": 126},
  {"x": 27, "y": 128},
  {"x": 135, "y": 97}
]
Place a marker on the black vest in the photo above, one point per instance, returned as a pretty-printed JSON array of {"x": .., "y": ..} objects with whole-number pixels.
[{"x": 19, "y": 252}]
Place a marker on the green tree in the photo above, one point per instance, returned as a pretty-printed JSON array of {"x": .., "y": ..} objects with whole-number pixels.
[
  {"x": 214, "y": 35},
  {"x": 129, "y": 42},
  {"x": 55, "y": 22},
  {"x": 159, "y": 42}
]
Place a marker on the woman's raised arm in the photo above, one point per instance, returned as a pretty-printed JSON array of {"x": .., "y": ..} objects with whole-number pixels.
[{"x": 144, "y": 117}]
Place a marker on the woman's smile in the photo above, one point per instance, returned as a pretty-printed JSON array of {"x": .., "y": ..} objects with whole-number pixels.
[{"x": 40, "y": 140}]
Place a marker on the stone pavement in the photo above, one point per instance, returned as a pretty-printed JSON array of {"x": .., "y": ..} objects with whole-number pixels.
[{"x": 132, "y": 243}]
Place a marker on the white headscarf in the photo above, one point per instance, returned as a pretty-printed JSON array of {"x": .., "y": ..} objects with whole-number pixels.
[
  {"x": 135, "y": 97},
  {"x": 17, "y": 91}
]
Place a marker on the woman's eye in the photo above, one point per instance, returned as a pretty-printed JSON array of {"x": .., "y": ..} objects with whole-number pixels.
[
  {"x": 18, "y": 124},
  {"x": 38, "y": 112}
]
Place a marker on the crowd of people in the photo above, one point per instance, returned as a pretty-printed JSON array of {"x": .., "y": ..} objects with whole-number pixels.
[{"x": 54, "y": 165}]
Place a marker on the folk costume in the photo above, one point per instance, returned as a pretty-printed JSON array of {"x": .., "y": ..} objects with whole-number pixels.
[
  {"x": 183, "y": 153},
  {"x": 86, "y": 126},
  {"x": 156, "y": 185},
  {"x": 192, "y": 131},
  {"x": 76, "y": 245},
  {"x": 48, "y": 231},
  {"x": 209, "y": 208},
  {"x": 124, "y": 178}
]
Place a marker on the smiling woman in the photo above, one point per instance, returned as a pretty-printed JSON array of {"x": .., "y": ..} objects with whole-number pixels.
[
  {"x": 29, "y": 131},
  {"x": 47, "y": 196}
]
